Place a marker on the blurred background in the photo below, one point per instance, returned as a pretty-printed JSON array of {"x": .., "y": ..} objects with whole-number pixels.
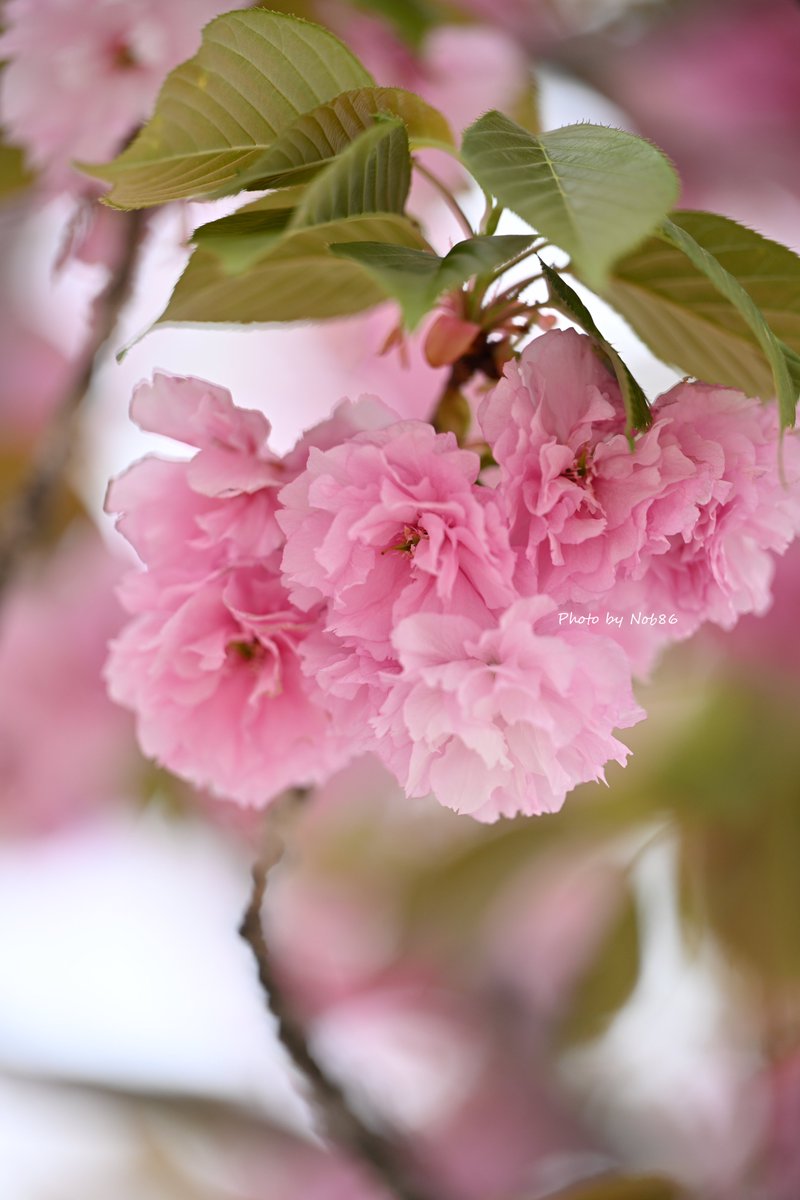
[{"x": 598, "y": 1005}]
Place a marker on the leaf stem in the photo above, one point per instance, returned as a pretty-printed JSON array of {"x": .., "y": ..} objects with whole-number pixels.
[
  {"x": 447, "y": 196},
  {"x": 340, "y": 1124},
  {"x": 30, "y": 507},
  {"x": 493, "y": 219}
]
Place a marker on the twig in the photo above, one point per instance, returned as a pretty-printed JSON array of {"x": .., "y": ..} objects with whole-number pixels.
[
  {"x": 340, "y": 1125},
  {"x": 447, "y": 196},
  {"x": 30, "y": 507}
]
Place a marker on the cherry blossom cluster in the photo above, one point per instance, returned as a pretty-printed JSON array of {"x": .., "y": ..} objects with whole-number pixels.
[{"x": 379, "y": 590}]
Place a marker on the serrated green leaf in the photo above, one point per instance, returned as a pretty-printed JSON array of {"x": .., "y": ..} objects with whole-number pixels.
[
  {"x": 729, "y": 287},
  {"x": 689, "y": 320},
  {"x": 416, "y": 279},
  {"x": 256, "y": 72},
  {"x": 567, "y": 301},
  {"x": 372, "y": 175},
  {"x": 318, "y": 136},
  {"x": 297, "y": 278},
  {"x": 593, "y": 191}
]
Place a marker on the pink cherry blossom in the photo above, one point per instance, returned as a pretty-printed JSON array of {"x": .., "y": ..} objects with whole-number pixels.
[
  {"x": 389, "y": 523},
  {"x": 210, "y": 661},
  {"x": 211, "y": 670},
  {"x": 769, "y": 642},
  {"x": 498, "y": 718},
  {"x": 709, "y": 79},
  {"x": 35, "y": 376},
  {"x": 80, "y": 78},
  {"x": 686, "y": 521},
  {"x": 584, "y": 509},
  {"x": 459, "y": 69},
  {"x": 65, "y": 750},
  {"x": 721, "y": 565}
]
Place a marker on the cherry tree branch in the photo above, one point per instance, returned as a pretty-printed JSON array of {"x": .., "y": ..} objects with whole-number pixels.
[
  {"x": 30, "y": 507},
  {"x": 339, "y": 1124},
  {"x": 447, "y": 196}
]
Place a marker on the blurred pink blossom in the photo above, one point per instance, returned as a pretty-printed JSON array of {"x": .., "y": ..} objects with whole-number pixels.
[
  {"x": 35, "y": 376},
  {"x": 81, "y": 78},
  {"x": 717, "y": 86},
  {"x": 65, "y": 750},
  {"x": 462, "y": 70},
  {"x": 769, "y": 642}
]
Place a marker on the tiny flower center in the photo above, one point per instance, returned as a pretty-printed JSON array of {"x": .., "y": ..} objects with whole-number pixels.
[
  {"x": 122, "y": 55},
  {"x": 408, "y": 540},
  {"x": 249, "y": 650},
  {"x": 581, "y": 469}
]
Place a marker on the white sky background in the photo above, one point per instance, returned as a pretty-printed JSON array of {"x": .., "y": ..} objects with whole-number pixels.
[{"x": 119, "y": 958}]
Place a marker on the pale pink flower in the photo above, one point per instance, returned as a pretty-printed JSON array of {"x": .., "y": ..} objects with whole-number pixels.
[
  {"x": 769, "y": 642},
  {"x": 390, "y": 523},
  {"x": 709, "y": 80},
  {"x": 497, "y": 717},
  {"x": 81, "y": 77},
  {"x": 35, "y": 376},
  {"x": 684, "y": 522},
  {"x": 172, "y": 510},
  {"x": 65, "y": 749},
  {"x": 586, "y": 511},
  {"x": 212, "y": 672},
  {"x": 462, "y": 70},
  {"x": 210, "y": 663},
  {"x": 721, "y": 565}
]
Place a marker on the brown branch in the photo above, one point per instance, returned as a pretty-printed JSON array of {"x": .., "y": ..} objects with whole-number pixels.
[
  {"x": 339, "y": 1124},
  {"x": 29, "y": 509}
]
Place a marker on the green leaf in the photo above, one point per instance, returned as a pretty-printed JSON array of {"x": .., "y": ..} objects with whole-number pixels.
[
  {"x": 317, "y": 137},
  {"x": 416, "y": 279},
  {"x": 244, "y": 236},
  {"x": 706, "y": 299},
  {"x": 729, "y": 287},
  {"x": 793, "y": 364},
  {"x": 372, "y": 175},
  {"x": 254, "y": 74},
  {"x": 411, "y": 18},
  {"x": 296, "y": 278},
  {"x": 593, "y": 191},
  {"x": 566, "y": 300},
  {"x": 609, "y": 981},
  {"x": 241, "y": 239},
  {"x": 15, "y": 174},
  {"x": 731, "y": 782},
  {"x": 624, "y": 1187}
]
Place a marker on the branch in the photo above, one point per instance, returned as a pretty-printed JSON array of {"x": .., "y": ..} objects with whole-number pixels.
[
  {"x": 340, "y": 1125},
  {"x": 447, "y": 196},
  {"x": 30, "y": 507}
]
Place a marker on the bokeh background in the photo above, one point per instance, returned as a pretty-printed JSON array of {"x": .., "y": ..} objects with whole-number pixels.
[{"x": 601, "y": 1004}]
